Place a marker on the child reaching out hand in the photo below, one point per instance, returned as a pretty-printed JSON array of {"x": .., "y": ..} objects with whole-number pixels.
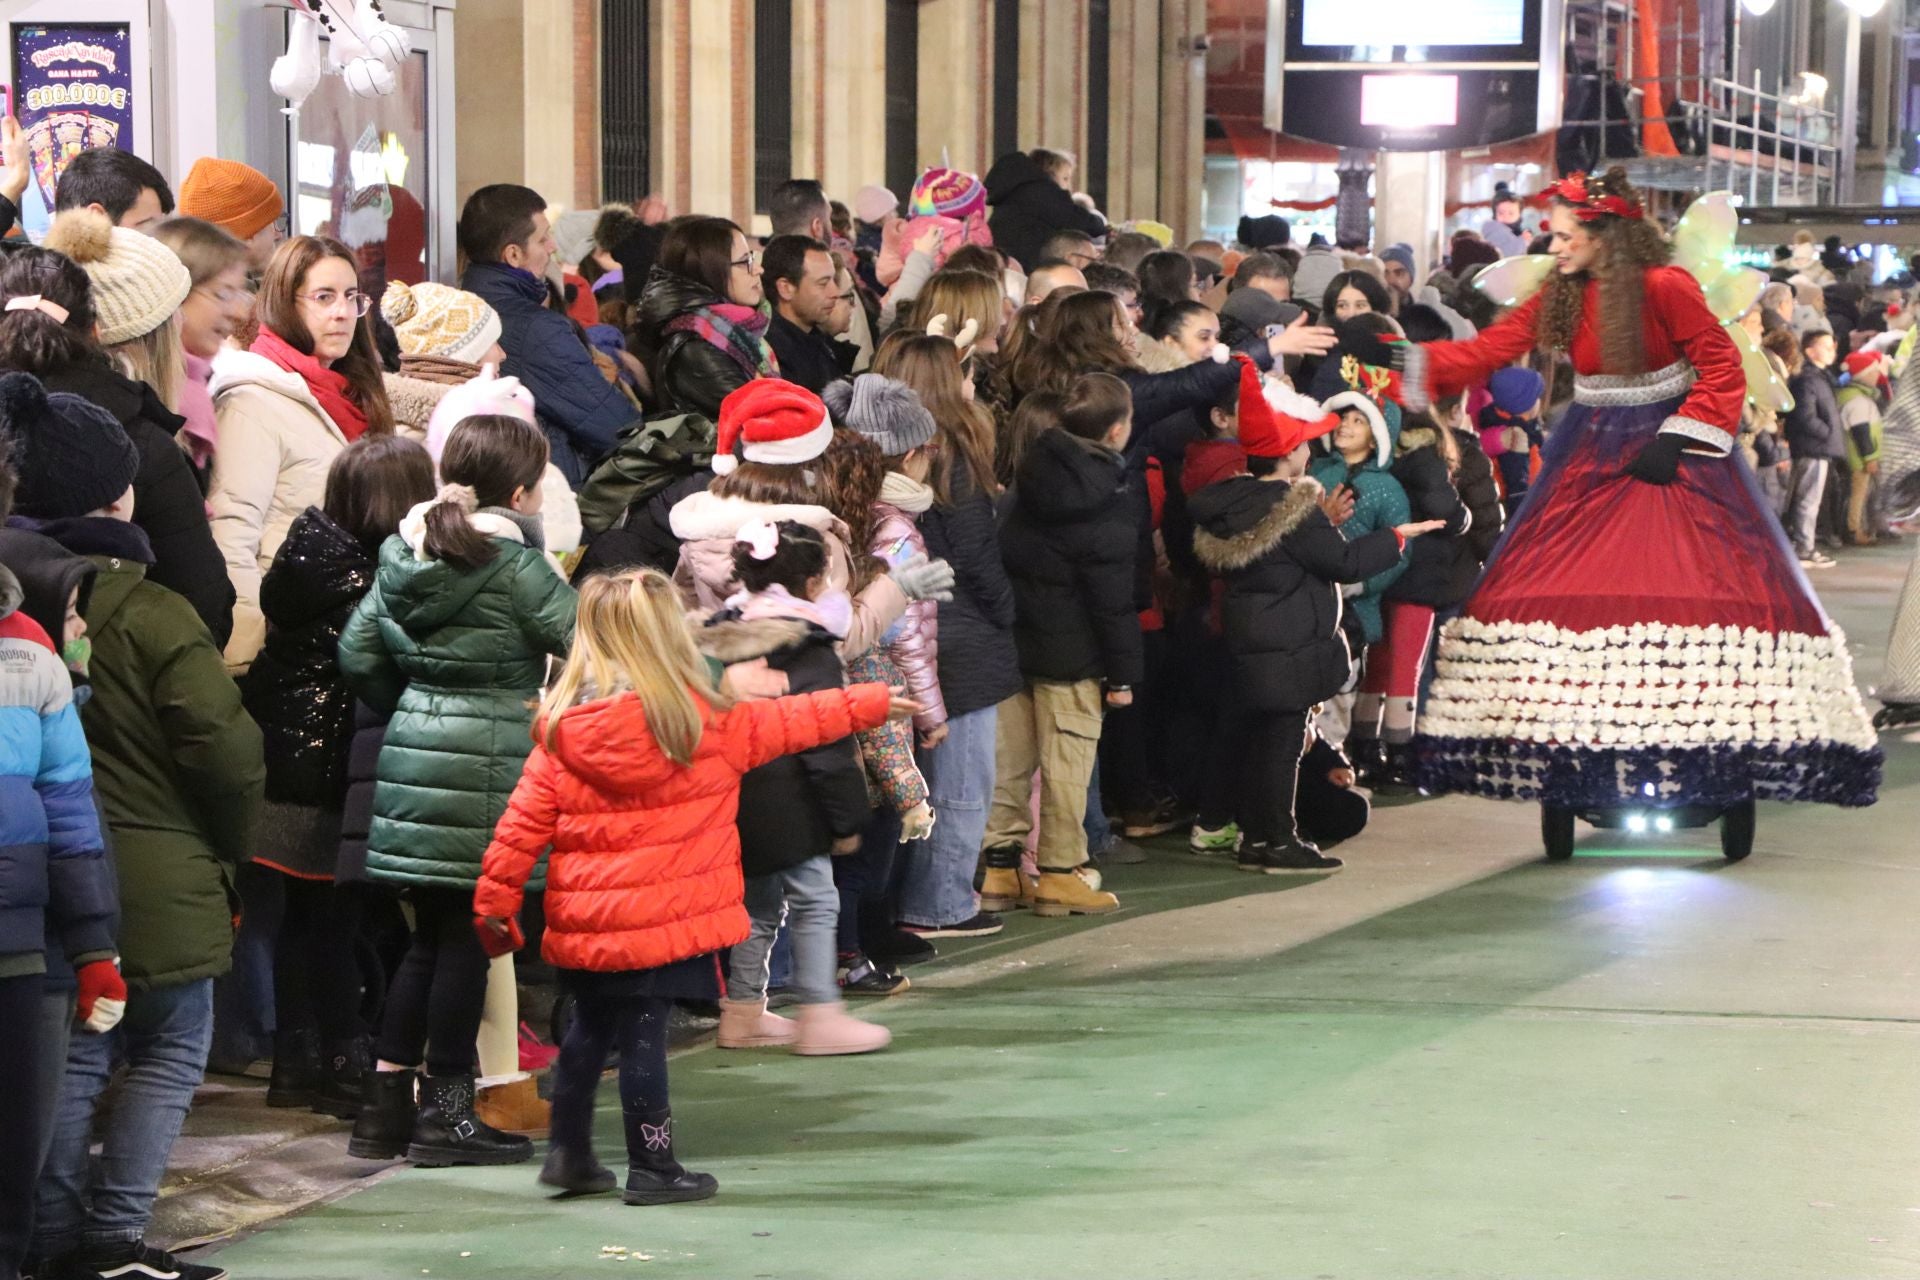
[{"x": 634, "y": 782}]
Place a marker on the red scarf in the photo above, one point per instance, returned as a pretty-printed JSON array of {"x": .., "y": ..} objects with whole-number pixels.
[{"x": 331, "y": 389}]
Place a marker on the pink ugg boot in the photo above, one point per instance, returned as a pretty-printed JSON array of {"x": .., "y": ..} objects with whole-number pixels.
[
  {"x": 746, "y": 1024},
  {"x": 827, "y": 1029}
]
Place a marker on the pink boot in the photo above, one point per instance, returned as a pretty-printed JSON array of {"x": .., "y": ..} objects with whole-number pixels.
[
  {"x": 746, "y": 1024},
  {"x": 827, "y": 1029}
]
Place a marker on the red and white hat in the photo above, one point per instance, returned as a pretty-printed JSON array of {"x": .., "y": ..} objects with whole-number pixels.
[
  {"x": 773, "y": 421},
  {"x": 1274, "y": 420}
]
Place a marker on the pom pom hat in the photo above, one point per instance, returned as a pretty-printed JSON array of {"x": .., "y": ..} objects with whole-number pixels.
[
  {"x": 950, "y": 193},
  {"x": 72, "y": 456},
  {"x": 772, "y": 421},
  {"x": 436, "y": 320},
  {"x": 138, "y": 283}
]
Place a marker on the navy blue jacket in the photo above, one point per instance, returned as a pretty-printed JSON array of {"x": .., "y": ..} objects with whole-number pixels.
[{"x": 581, "y": 412}]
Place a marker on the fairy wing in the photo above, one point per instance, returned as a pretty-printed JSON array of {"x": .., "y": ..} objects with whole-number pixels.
[
  {"x": 1511, "y": 281},
  {"x": 1765, "y": 387}
]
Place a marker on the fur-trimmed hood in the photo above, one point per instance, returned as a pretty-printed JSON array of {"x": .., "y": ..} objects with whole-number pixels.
[
  {"x": 1239, "y": 520},
  {"x": 728, "y": 638}
]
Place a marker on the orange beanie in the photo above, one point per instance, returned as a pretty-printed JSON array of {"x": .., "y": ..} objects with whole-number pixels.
[{"x": 232, "y": 195}]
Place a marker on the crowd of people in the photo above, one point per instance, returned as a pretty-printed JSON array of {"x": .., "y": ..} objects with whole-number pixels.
[{"x": 708, "y": 620}]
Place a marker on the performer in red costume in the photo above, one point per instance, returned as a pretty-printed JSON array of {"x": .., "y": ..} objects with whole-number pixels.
[{"x": 1642, "y": 634}]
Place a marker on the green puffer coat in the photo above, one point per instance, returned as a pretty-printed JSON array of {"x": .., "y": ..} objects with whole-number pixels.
[
  {"x": 178, "y": 771},
  {"x": 458, "y": 657}
]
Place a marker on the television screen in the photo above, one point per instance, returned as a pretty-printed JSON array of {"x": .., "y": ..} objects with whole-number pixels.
[{"x": 1412, "y": 23}]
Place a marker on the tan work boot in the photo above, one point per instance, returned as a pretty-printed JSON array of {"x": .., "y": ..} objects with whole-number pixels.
[
  {"x": 1003, "y": 888},
  {"x": 828, "y": 1029},
  {"x": 515, "y": 1107},
  {"x": 1072, "y": 893},
  {"x": 746, "y": 1024}
]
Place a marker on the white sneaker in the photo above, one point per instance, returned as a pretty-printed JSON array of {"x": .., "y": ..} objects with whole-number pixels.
[{"x": 1817, "y": 560}]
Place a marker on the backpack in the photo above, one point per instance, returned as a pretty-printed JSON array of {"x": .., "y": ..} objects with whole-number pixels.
[{"x": 648, "y": 456}]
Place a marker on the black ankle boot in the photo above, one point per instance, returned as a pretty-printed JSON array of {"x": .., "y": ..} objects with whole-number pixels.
[
  {"x": 653, "y": 1175},
  {"x": 575, "y": 1172},
  {"x": 343, "y": 1067},
  {"x": 296, "y": 1069},
  {"x": 1396, "y": 769},
  {"x": 385, "y": 1124},
  {"x": 447, "y": 1132},
  {"x": 1369, "y": 756}
]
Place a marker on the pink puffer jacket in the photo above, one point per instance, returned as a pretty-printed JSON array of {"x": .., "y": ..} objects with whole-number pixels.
[{"x": 914, "y": 642}]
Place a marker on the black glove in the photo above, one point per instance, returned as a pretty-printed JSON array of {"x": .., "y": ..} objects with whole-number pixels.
[
  {"x": 1366, "y": 346},
  {"x": 1659, "y": 462}
]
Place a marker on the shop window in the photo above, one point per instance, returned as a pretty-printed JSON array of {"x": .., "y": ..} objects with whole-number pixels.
[{"x": 361, "y": 174}]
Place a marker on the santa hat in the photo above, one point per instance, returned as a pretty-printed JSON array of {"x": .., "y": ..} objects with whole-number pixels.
[
  {"x": 1274, "y": 419},
  {"x": 1860, "y": 363},
  {"x": 772, "y": 421}
]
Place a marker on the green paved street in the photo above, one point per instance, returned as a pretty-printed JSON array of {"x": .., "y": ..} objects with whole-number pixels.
[{"x": 1449, "y": 1060}]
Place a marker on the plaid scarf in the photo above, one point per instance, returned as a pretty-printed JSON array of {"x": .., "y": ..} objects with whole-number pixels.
[{"x": 740, "y": 332}]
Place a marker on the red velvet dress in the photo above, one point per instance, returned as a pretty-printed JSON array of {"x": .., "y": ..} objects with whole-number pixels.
[{"x": 1631, "y": 642}]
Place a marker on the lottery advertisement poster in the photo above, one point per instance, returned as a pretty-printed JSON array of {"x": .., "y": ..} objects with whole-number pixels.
[{"x": 72, "y": 90}]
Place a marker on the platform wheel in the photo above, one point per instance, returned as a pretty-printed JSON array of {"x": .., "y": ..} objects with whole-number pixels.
[
  {"x": 1556, "y": 832},
  {"x": 1736, "y": 831}
]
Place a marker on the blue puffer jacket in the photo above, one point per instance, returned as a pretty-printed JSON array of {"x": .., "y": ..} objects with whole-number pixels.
[
  {"x": 1380, "y": 501},
  {"x": 53, "y": 864},
  {"x": 581, "y": 412}
]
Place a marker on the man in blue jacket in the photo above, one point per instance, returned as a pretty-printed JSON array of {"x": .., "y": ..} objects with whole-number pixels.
[{"x": 508, "y": 243}]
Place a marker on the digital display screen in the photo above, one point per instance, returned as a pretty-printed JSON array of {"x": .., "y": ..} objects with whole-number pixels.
[
  {"x": 1409, "y": 101},
  {"x": 1412, "y": 23}
]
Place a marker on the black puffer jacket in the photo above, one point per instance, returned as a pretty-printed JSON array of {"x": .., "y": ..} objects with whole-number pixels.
[
  {"x": 796, "y": 807},
  {"x": 1281, "y": 560},
  {"x": 979, "y": 666},
  {"x": 167, "y": 503},
  {"x": 294, "y": 688},
  {"x": 1481, "y": 492},
  {"x": 642, "y": 538},
  {"x": 687, "y": 371},
  {"x": 1814, "y": 426},
  {"x": 1440, "y": 566},
  {"x": 1029, "y": 207},
  {"x": 1068, "y": 545}
]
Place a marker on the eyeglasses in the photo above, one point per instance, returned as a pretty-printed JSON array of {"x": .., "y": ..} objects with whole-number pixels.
[
  {"x": 327, "y": 300},
  {"x": 746, "y": 263},
  {"x": 226, "y": 297}
]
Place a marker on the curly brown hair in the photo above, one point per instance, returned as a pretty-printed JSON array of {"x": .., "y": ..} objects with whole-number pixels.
[
  {"x": 1628, "y": 246},
  {"x": 849, "y": 477}
]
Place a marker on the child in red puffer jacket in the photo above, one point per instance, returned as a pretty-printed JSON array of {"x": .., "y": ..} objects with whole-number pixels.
[{"x": 634, "y": 783}]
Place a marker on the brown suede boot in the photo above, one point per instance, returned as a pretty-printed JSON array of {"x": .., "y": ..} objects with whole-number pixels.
[
  {"x": 1003, "y": 888},
  {"x": 515, "y": 1107},
  {"x": 1072, "y": 893},
  {"x": 746, "y": 1024}
]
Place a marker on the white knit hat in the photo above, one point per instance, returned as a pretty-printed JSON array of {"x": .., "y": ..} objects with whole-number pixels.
[
  {"x": 437, "y": 320},
  {"x": 138, "y": 283}
]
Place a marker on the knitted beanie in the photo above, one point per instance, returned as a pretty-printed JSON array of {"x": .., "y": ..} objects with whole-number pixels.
[
  {"x": 138, "y": 283},
  {"x": 573, "y": 234},
  {"x": 873, "y": 203},
  {"x": 231, "y": 195},
  {"x": 1401, "y": 253},
  {"x": 438, "y": 320},
  {"x": 951, "y": 193},
  {"x": 1516, "y": 390},
  {"x": 883, "y": 410},
  {"x": 71, "y": 455}
]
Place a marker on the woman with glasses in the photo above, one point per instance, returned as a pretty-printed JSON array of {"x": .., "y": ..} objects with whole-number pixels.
[
  {"x": 93, "y": 314},
  {"x": 309, "y": 386},
  {"x": 219, "y": 306},
  {"x": 698, "y": 327}
]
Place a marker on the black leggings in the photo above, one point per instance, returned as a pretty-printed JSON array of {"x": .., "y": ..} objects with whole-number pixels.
[
  {"x": 440, "y": 989},
  {"x": 24, "y": 1114},
  {"x": 316, "y": 967},
  {"x": 634, "y": 1024},
  {"x": 1271, "y": 743}
]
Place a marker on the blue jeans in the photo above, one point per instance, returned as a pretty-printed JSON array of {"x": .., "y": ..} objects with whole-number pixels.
[
  {"x": 804, "y": 897},
  {"x": 164, "y": 1039},
  {"x": 1099, "y": 826},
  {"x": 936, "y": 875}
]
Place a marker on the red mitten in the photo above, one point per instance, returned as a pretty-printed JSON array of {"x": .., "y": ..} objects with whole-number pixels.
[
  {"x": 103, "y": 996},
  {"x": 495, "y": 942}
]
